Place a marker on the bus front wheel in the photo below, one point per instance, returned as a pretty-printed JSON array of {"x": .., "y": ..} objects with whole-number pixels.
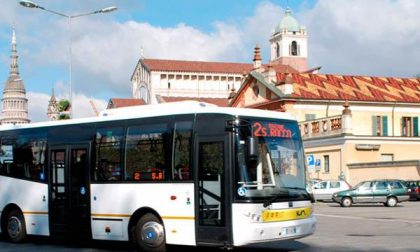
[
  {"x": 149, "y": 234},
  {"x": 15, "y": 226}
]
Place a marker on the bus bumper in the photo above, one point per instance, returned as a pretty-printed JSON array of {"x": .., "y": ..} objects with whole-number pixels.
[{"x": 253, "y": 233}]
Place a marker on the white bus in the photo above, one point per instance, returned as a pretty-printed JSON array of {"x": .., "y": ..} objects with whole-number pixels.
[{"x": 183, "y": 173}]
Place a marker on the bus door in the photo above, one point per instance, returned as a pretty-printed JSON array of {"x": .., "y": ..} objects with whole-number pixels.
[
  {"x": 212, "y": 199},
  {"x": 69, "y": 190}
]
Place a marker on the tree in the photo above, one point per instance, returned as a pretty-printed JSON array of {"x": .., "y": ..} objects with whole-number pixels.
[{"x": 64, "y": 109}]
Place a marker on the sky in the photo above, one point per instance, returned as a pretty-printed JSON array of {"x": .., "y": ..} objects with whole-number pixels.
[{"x": 357, "y": 37}]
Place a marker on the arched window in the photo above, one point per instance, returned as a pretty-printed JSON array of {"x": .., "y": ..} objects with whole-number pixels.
[
  {"x": 277, "y": 50},
  {"x": 294, "y": 49},
  {"x": 143, "y": 93}
]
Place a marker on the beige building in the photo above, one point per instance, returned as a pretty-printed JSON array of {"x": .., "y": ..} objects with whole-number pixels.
[{"x": 354, "y": 127}]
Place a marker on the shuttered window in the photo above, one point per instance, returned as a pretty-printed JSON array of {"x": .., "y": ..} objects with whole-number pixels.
[{"x": 380, "y": 125}]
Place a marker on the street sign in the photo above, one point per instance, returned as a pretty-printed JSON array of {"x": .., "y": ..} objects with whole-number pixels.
[
  {"x": 310, "y": 163},
  {"x": 318, "y": 165}
]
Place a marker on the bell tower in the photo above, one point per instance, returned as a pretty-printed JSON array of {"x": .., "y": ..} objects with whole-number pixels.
[
  {"x": 289, "y": 43},
  {"x": 53, "y": 112}
]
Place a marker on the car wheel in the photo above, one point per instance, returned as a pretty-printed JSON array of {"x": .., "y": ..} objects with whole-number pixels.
[
  {"x": 391, "y": 201},
  {"x": 15, "y": 226},
  {"x": 346, "y": 202},
  {"x": 149, "y": 234}
]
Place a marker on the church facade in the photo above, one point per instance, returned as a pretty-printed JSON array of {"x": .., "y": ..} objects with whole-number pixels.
[
  {"x": 15, "y": 103},
  {"x": 163, "y": 80}
]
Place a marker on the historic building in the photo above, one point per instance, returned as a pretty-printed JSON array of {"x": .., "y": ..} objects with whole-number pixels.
[
  {"x": 53, "y": 111},
  {"x": 289, "y": 43},
  {"x": 15, "y": 103},
  {"x": 163, "y": 80},
  {"x": 355, "y": 127}
]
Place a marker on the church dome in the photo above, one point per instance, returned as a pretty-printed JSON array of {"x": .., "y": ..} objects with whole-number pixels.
[
  {"x": 14, "y": 83},
  {"x": 288, "y": 22}
]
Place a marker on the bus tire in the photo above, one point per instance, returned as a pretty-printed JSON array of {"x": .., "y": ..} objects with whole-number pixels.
[
  {"x": 149, "y": 234},
  {"x": 15, "y": 226}
]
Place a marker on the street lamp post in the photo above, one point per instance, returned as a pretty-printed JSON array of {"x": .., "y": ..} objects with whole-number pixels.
[{"x": 30, "y": 4}]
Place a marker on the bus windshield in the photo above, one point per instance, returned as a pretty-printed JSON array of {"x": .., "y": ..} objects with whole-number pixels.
[{"x": 270, "y": 161}]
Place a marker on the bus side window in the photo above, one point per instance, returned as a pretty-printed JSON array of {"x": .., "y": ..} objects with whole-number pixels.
[
  {"x": 182, "y": 150},
  {"x": 109, "y": 143},
  {"x": 148, "y": 152}
]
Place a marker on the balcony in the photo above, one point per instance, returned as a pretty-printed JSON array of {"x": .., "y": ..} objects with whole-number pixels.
[{"x": 323, "y": 127}]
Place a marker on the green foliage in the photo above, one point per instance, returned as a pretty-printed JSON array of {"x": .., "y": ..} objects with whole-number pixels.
[
  {"x": 63, "y": 117},
  {"x": 63, "y": 106}
]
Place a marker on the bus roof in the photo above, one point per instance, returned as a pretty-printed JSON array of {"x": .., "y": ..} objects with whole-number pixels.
[{"x": 156, "y": 110}]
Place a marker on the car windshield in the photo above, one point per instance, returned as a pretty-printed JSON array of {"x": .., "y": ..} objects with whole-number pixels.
[{"x": 269, "y": 161}]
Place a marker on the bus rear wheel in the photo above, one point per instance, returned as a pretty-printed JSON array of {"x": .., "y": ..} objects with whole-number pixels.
[
  {"x": 15, "y": 226},
  {"x": 149, "y": 234}
]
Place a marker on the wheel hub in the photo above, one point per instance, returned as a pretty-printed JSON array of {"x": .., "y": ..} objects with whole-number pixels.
[
  {"x": 13, "y": 227},
  {"x": 152, "y": 233}
]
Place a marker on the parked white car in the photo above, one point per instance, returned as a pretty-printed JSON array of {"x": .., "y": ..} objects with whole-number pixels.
[{"x": 324, "y": 190}]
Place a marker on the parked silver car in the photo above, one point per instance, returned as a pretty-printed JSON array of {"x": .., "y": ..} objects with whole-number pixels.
[{"x": 324, "y": 190}]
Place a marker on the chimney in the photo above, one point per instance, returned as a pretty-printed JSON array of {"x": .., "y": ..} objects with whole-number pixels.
[
  {"x": 270, "y": 74},
  {"x": 257, "y": 59},
  {"x": 286, "y": 84}
]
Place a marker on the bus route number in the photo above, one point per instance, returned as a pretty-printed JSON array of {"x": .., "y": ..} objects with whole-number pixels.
[{"x": 271, "y": 130}]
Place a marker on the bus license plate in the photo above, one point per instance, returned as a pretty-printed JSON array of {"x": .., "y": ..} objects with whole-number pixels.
[{"x": 290, "y": 230}]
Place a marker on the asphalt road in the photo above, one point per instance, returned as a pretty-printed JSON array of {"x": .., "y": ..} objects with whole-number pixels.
[{"x": 359, "y": 228}]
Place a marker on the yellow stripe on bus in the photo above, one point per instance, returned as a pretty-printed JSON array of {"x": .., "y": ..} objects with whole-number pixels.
[
  {"x": 178, "y": 218},
  {"x": 111, "y": 215},
  {"x": 127, "y": 216},
  {"x": 286, "y": 214},
  {"x": 30, "y": 212}
]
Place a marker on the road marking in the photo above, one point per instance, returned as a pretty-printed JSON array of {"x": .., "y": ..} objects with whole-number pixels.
[{"x": 368, "y": 218}]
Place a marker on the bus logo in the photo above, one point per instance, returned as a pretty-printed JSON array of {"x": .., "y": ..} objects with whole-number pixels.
[{"x": 300, "y": 213}]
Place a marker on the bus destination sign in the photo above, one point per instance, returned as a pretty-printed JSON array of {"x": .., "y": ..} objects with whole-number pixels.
[{"x": 270, "y": 129}]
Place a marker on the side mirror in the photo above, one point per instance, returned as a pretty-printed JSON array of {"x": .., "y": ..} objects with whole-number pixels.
[{"x": 252, "y": 147}]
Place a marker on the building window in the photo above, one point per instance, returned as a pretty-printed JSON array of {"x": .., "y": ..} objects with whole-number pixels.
[
  {"x": 294, "y": 49},
  {"x": 256, "y": 90},
  {"x": 277, "y": 50},
  {"x": 410, "y": 126},
  {"x": 309, "y": 117},
  {"x": 326, "y": 163},
  {"x": 268, "y": 94},
  {"x": 380, "y": 125},
  {"x": 169, "y": 85},
  {"x": 387, "y": 157}
]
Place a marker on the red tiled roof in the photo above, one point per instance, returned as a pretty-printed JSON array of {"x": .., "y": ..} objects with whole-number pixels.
[
  {"x": 120, "y": 102},
  {"x": 196, "y": 66},
  {"x": 355, "y": 88},
  {"x": 221, "y": 102},
  {"x": 206, "y": 67}
]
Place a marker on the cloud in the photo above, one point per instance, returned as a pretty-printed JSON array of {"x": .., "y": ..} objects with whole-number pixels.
[
  {"x": 38, "y": 105},
  {"x": 360, "y": 37},
  {"x": 376, "y": 37}
]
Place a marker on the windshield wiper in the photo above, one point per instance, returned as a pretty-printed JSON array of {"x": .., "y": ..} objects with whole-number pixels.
[{"x": 282, "y": 194}]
